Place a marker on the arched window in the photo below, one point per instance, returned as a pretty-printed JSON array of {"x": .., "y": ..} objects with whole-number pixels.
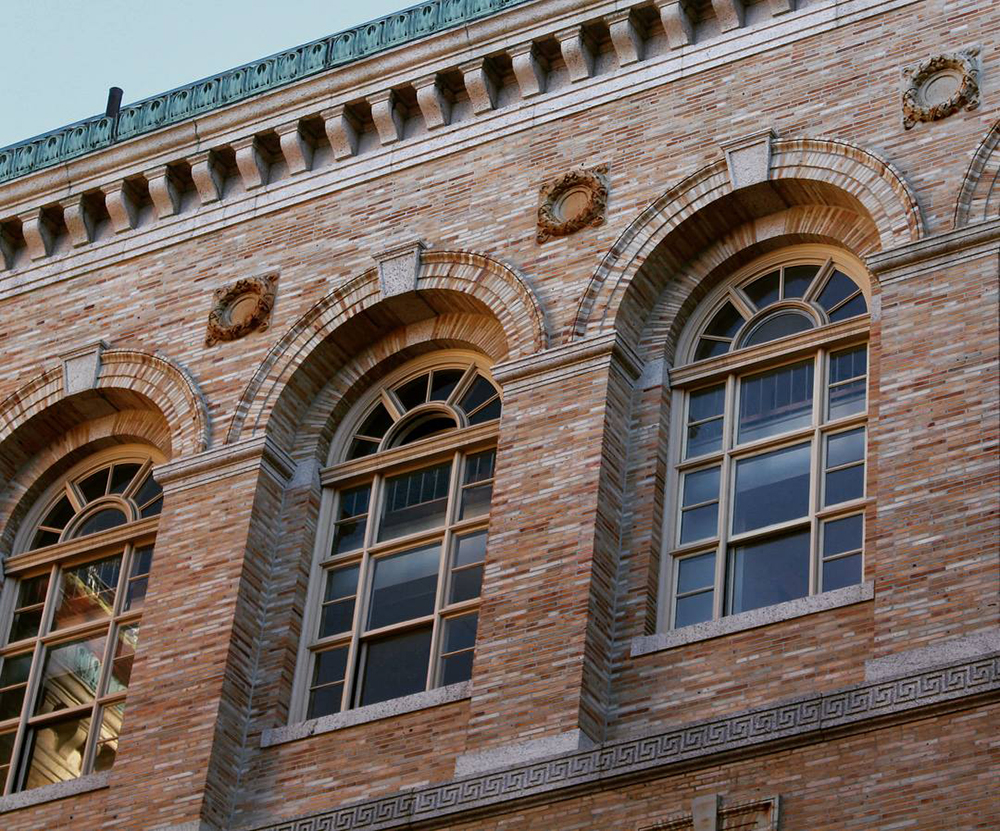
[
  {"x": 769, "y": 440},
  {"x": 394, "y": 593},
  {"x": 70, "y": 615}
]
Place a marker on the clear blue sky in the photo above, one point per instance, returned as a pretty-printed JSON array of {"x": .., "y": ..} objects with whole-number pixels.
[{"x": 59, "y": 57}]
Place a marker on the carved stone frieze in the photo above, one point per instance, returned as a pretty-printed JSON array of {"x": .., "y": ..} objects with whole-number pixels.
[
  {"x": 940, "y": 86},
  {"x": 577, "y": 199},
  {"x": 241, "y": 308}
]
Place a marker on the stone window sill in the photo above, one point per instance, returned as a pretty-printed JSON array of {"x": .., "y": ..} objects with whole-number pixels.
[
  {"x": 363, "y": 715},
  {"x": 846, "y": 596},
  {"x": 57, "y": 790}
]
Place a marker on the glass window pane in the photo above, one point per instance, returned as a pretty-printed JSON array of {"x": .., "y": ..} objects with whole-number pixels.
[
  {"x": 699, "y": 523},
  {"x": 413, "y": 393},
  {"x": 855, "y": 306},
  {"x": 349, "y": 535},
  {"x": 836, "y": 289},
  {"x": 87, "y": 592},
  {"x": 153, "y": 508},
  {"x": 329, "y": 667},
  {"x": 61, "y": 513},
  {"x": 341, "y": 582},
  {"x": 844, "y": 484},
  {"x": 443, "y": 383},
  {"x": 770, "y": 571},
  {"x": 842, "y": 448},
  {"x": 415, "y": 501},
  {"x": 403, "y": 586},
  {"x": 726, "y": 323},
  {"x": 138, "y": 583},
  {"x": 779, "y": 326},
  {"x": 360, "y": 448},
  {"x": 479, "y": 393},
  {"x": 847, "y": 399},
  {"x": 798, "y": 278},
  {"x": 706, "y": 403},
  {"x": 460, "y": 633},
  {"x": 425, "y": 426},
  {"x": 840, "y": 535},
  {"x": 336, "y": 617},
  {"x": 142, "y": 561},
  {"x": 771, "y": 488},
  {"x": 695, "y": 608},
  {"x": 122, "y": 476},
  {"x": 710, "y": 348},
  {"x": 476, "y": 500},
  {"x": 150, "y": 490},
  {"x": 470, "y": 549},
  {"x": 55, "y": 751},
  {"x": 353, "y": 502},
  {"x": 844, "y": 571},
  {"x": 26, "y": 621},
  {"x": 44, "y": 538},
  {"x": 13, "y": 683},
  {"x": 479, "y": 467},
  {"x": 106, "y": 751},
  {"x": 395, "y": 666},
  {"x": 776, "y": 401},
  {"x": 456, "y": 668},
  {"x": 122, "y": 660},
  {"x": 377, "y": 423},
  {"x": 466, "y": 584},
  {"x": 95, "y": 485},
  {"x": 70, "y": 674},
  {"x": 704, "y": 438},
  {"x": 6, "y": 751},
  {"x": 701, "y": 486},
  {"x": 101, "y": 521},
  {"x": 764, "y": 290},
  {"x": 325, "y": 701},
  {"x": 696, "y": 572},
  {"x": 487, "y": 413},
  {"x": 851, "y": 363}
]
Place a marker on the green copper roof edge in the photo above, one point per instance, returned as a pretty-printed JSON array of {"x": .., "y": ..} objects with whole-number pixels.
[{"x": 241, "y": 83}]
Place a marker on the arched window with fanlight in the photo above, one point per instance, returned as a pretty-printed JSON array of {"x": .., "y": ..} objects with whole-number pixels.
[
  {"x": 394, "y": 592},
  {"x": 769, "y": 411},
  {"x": 71, "y": 610}
]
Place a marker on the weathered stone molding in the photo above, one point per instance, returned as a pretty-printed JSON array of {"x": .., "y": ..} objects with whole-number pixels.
[
  {"x": 222, "y": 326},
  {"x": 789, "y": 610},
  {"x": 519, "y": 753},
  {"x": 799, "y": 721},
  {"x": 364, "y": 715},
  {"x": 57, "y": 790},
  {"x": 555, "y": 220},
  {"x": 979, "y": 196},
  {"x": 938, "y": 654},
  {"x": 902, "y": 262},
  {"x": 960, "y": 68},
  {"x": 259, "y": 452}
]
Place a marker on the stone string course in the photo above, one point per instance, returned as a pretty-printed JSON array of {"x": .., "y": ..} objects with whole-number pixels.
[{"x": 801, "y": 720}]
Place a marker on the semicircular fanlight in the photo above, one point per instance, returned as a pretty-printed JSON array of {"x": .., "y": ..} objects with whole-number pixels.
[{"x": 779, "y": 325}]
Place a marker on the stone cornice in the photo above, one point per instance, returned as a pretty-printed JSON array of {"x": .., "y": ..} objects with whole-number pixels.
[
  {"x": 222, "y": 462},
  {"x": 800, "y": 721},
  {"x": 971, "y": 240},
  {"x": 317, "y": 105}
]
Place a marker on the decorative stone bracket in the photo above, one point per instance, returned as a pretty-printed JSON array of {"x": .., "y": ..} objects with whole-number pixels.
[
  {"x": 941, "y": 86},
  {"x": 241, "y": 308},
  {"x": 576, "y": 200}
]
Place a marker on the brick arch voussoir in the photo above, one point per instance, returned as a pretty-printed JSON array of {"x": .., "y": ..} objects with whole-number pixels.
[
  {"x": 170, "y": 389},
  {"x": 500, "y": 288},
  {"x": 979, "y": 194},
  {"x": 870, "y": 179}
]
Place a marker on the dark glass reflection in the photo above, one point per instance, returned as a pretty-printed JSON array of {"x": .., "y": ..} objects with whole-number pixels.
[
  {"x": 798, "y": 279},
  {"x": 327, "y": 688},
  {"x": 772, "y": 487},
  {"x": 837, "y": 288},
  {"x": 769, "y": 571},
  {"x": 443, "y": 383},
  {"x": 415, "y": 501},
  {"x": 844, "y": 571},
  {"x": 377, "y": 423},
  {"x": 695, "y": 608},
  {"x": 695, "y": 573},
  {"x": 853, "y": 307},
  {"x": 779, "y": 326},
  {"x": 403, "y": 586},
  {"x": 764, "y": 290},
  {"x": 413, "y": 393},
  {"x": 726, "y": 323},
  {"x": 842, "y": 535},
  {"x": 776, "y": 401},
  {"x": 395, "y": 666}
]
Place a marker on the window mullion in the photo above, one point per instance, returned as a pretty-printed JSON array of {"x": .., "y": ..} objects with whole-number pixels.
[
  {"x": 729, "y": 427},
  {"x": 817, "y": 455}
]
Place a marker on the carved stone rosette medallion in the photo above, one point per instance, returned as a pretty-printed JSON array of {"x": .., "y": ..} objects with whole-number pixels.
[
  {"x": 940, "y": 86},
  {"x": 577, "y": 199},
  {"x": 241, "y": 308}
]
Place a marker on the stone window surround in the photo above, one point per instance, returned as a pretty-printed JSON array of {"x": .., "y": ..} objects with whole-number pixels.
[{"x": 35, "y": 269}]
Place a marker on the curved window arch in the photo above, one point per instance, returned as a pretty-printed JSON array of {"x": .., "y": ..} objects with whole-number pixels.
[
  {"x": 71, "y": 613},
  {"x": 394, "y": 591},
  {"x": 768, "y": 486}
]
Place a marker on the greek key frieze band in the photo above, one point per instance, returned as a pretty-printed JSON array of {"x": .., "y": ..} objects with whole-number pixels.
[{"x": 799, "y": 718}]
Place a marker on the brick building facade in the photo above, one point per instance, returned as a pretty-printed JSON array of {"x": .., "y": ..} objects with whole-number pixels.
[{"x": 727, "y": 557}]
